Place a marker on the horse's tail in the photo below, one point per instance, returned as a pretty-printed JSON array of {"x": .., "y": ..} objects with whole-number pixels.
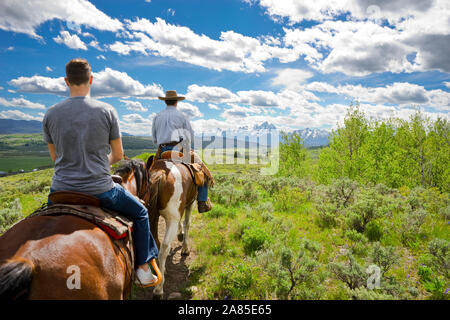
[{"x": 15, "y": 278}]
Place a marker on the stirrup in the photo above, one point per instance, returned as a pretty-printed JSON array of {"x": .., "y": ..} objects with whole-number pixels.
[{"x": 158, "y": 276}]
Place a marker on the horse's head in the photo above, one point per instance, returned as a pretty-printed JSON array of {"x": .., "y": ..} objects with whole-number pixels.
[{"x": 134, "y": 177}]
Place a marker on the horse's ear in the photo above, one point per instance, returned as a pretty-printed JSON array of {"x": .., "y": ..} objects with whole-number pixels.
[{"x": 149, "y": 162}]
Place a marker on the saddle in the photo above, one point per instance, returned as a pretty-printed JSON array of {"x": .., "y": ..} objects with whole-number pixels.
[
  {"x": 199, "y": 172},
  {"x": 85, "y": 206}
]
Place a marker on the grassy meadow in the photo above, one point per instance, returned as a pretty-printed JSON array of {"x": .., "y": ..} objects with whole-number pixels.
[{"x": 331, "y": 224}]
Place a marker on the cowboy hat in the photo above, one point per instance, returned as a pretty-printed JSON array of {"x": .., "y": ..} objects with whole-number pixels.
[{"x": 171, "y": 95}]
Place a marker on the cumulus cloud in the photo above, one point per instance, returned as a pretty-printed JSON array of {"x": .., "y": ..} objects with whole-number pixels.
[
  {"x": 72, "y": 41},
  {"x": 134, "y": 105},
  {"x": 399, "y": 93},
  {"x": 189, "y": 110},
  {"x": 21, "y": 103},
  {"x": 232, "y": 51},
  {"x": 26, "y": 16},
  {"x": 378, "y": 37},
  {"x": 210, "y": 94},
  {"x": 291, "y": 78},
  {"x": 40, "y": 84},
  {"x": 136, "y": 124},
  {"x": 107, "y": 83},
  {"x": 19, "y": 115}
]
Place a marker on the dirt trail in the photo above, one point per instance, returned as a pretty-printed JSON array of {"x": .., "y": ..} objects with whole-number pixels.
[{"x": 177, "y": 271}]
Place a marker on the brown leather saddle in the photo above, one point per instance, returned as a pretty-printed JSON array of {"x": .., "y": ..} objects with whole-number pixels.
[{"x": 199, "y": 172}]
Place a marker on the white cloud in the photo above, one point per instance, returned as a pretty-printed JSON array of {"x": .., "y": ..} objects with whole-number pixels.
[
  {"x": 72, "y": 41},
  {"x": 136, "y": 124},
  {"x": 48, "y": 69},
  {"x": 134, "y": 105},
  {"x": 21, "y": 103},
  {"x": 291, "y": 78},
  {"x": 39, "y": 84},
  {"x": 416, "y": 39},
  {"x": 258, "y": 98},
  {"x": 113, "y": 83},
  {"x": 320, "y": 10},
  {"x": 233, "y": 51},
  {"x": 189, "y": 110},
  {"x": 26, "y": 16},
  {"x": 102, "y": 57},
  {"x": 210, "y": 94},
  {"x": 106, "y": 83},
  {"x": 19, "y": 115},
  {"x": 399, "y": 93},
  {"x": 213, "y": 106},
  {"x": 94, "y": 44}
]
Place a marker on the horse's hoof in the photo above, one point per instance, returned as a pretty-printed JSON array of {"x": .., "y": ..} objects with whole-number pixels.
[
  {"x": 157, "y": 296},
  {"x": 180, "y": 237}
]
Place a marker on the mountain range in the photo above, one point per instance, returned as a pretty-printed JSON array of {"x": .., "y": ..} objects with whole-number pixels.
[{"x": 312, "y": 137}]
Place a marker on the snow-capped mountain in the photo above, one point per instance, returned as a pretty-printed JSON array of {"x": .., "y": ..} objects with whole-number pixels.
[
  {"x": 264, "y": 126},
  {"x": 313, "y": 137}
]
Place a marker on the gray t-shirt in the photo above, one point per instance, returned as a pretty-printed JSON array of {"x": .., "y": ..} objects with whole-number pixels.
[{"x": 81, "y": 129}]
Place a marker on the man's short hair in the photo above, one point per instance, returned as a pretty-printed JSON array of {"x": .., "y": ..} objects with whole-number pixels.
[
  {"x": 171, "y": 102},
  {"x": 78, "y": 71}
]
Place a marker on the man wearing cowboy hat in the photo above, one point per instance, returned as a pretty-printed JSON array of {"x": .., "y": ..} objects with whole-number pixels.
[{"x": 171, "y": 128}]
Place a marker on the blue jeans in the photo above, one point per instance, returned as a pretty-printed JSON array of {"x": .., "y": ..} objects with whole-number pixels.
[
  {"x": 120, "y": 200},
  {"x": 203, "y": 190}
]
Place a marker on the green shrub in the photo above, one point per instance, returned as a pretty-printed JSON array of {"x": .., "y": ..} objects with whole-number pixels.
[
  {"x": 237, "y": 282},
  {"x": 327, "y": 215},
  {"x": 432, "y": 283},
  {"x": 350, "y": 272},
  {"x": 342, "y": 192},
  {"x": 358, "y": 243},
  {"x": 219, "y": 211},
  {"x": 439, "y": 249},
  {"x": 368, "y": 294},
  {"x": 368, "y": 206},
  {"x": 293, "y": 273},
  {"x": 10, "y": 214},
  {"x": 383, "y": 257},
  {"x": 445, "y": 213},
  {"x": 374, "y": 231},
  {"x": 289, "y": 199},
  {"x": 254, "y": 238},
  {"x": 411, "y": 224}
]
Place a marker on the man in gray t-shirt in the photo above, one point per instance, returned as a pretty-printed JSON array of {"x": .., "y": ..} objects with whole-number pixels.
[
  {"x": 83, "y": 139},
  {"x": 81, "y": 128}
]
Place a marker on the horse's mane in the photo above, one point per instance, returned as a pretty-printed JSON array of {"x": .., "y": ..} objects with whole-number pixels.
[{"x": 126, "y": 166}]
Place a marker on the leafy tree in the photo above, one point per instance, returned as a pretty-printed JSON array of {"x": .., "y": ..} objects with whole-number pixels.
[{"x": 294, "y": 160}]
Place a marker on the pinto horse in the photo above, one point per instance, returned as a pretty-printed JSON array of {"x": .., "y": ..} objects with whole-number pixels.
[
  {"x": 66, "y": 257},
  {"x": 172, "y": 194}
]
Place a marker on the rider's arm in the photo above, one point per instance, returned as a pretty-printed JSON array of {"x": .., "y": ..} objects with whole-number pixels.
[
  {"x": 52, "y": 150},
  {"x": 116, "y": 151}
]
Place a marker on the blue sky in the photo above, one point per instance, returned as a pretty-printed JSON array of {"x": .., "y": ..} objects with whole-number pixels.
[{"x": 239, "y": 63}]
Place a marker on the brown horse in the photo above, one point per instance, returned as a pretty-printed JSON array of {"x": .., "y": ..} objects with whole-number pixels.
[
  {"x": 65, "y": 257},
  {"x": 172, "y": 194}
]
